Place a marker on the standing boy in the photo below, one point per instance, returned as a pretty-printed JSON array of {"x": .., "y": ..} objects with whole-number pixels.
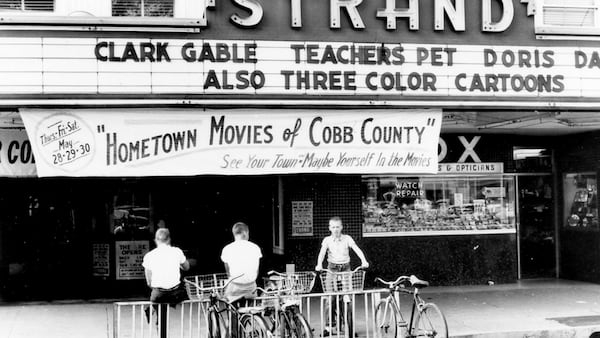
[
  {"x": 337, "y": 248},
  {"x": 241, "y": 259}
]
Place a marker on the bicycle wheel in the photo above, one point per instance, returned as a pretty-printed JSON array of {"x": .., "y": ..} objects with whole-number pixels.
[
  {"x": 386, "y": 319},
  {"x": 214, "y": 326},
  {"x": 303, "y": 329},
  {"x": 430, "y": 322},
  {"x": 252, "y": 326},
  {"x": 286, "y": 328}
]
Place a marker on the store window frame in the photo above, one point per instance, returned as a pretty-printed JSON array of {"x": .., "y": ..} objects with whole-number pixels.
[
  {"x": 27, "y": 5},
  {"x": 278, "y": 219},
  {"x": 467, "y": 225}
]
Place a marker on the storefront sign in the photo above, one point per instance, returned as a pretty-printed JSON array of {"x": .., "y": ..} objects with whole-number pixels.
[
  {"x": 302, "y": 218},
  {"x": 390, "y": 14},
  {"x": 129, "y": 256},
  {"x": 235, "y": 142},
  {"x": 16, "y": 156},
  {"x": 264, "y": 68},
  {"x": 101, "y": 261},
  {"x": 471, "y": 168},
  {"x": 409, "y": 188}
]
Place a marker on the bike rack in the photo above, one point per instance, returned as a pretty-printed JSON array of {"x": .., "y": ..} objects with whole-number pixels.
[{"x": 188, "y": 319}]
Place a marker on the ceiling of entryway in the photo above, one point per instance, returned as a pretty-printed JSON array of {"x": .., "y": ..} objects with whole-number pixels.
[{"x": 527, "y": 123}]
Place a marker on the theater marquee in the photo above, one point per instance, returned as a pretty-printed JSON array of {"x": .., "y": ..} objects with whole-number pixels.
[{"x": 297, "y": 68}]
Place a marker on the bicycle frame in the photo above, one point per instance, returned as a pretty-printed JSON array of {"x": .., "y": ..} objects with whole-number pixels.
[
  {"x": 417, "y": 304},
  {"x": 279, "y": 309}
]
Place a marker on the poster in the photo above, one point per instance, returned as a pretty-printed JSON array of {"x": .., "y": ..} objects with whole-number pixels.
[
  {"x": 302, "y": 218},
  {"x": 129, "y": 256},
  {"x": 101, "y": 261},
  {"x": 183, "y": 142}
]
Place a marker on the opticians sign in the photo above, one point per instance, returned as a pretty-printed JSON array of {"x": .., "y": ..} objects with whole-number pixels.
[
  {"x": 231, "y": 142},
  {"x": 304, "y": 69}
]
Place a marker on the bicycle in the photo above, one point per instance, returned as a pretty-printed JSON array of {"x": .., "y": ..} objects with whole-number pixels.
[
  {"x": 340, "y": 282},
  {"x": 426, "y": 319},
  {"x": 222, "y": 315},
  {"x": 284, "y": 313}
]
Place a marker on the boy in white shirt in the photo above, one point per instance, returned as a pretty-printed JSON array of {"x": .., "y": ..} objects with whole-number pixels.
[
  {"x": 241, "y": 258},
  {"x": 162, "y": 267},
  {"x": 337, "y": 248}
]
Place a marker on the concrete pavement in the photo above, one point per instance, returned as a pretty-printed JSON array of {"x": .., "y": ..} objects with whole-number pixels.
[{"x": 537, "y": 308}]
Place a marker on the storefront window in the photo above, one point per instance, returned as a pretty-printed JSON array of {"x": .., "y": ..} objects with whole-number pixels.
[
  {"x": 28, "y": 5},
  {"x": 160, "y": 8},
  {"x": 408, "y": 206},
  {"x": 581, "y": 206}
]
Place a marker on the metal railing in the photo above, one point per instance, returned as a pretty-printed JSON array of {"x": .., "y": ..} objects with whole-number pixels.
[{"x": 189, "y": 319}]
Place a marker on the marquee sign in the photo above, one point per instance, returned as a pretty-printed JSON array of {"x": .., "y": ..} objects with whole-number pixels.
[
  {"x": 295, "y": 68},
  {"x": 230, "y": 142},
  {"x": 16, "y": 155}
]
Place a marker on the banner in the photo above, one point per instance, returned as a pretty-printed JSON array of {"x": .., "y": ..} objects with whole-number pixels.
[
  {"x": 16, "y": 157},
  {"x": 131, "y": 142}
]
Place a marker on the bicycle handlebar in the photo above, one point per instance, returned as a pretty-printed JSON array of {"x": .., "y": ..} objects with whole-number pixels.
[
  {"x": 212, "y": 288},
  {"x": 276, "y": 292},
  {"x": 412, "y": 279}
]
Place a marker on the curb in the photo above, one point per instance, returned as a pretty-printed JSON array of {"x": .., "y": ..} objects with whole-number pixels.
[{"x": 569, "y": 332}]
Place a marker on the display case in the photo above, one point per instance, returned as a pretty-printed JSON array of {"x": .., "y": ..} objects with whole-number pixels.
[
  {"x": 453, "y": 205},
  {"x": 580, "y": 201}
]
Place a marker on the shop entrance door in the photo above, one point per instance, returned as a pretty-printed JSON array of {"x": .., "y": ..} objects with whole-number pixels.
[{"x": 536, "y": 227}]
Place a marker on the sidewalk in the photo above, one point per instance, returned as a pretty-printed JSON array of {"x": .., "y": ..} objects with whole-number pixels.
[{"x": 537, "y": 308}]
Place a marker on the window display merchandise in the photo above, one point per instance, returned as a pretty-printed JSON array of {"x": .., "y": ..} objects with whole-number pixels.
[{"x": 408, "y": 206}]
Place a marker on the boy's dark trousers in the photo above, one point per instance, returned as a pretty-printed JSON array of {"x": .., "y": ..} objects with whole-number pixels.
[{"x": 164, "y": 297}]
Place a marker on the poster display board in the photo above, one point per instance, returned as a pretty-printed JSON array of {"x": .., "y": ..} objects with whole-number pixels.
[
  {"x": 130, "y": 142},
  {"x": 302, "y": 218},
  {"x": 101, "y": 260},
  {"x": 129, "y": 256}
]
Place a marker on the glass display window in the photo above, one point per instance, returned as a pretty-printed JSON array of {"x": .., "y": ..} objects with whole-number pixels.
[
  {"x": 409, "y": 206},
  {"x": 580, "y": 201}
]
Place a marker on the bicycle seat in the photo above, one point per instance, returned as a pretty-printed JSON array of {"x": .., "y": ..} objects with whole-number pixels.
[
  {"x": 418, "y": 283},
  {"x": 253, "y": 310}
]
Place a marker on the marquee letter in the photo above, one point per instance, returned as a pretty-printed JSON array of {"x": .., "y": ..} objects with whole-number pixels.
[
  {"x": 350, "y": 5},
  {"x": 486, "y": 16},
  {"x": 456, "y": 14},
  {"x": 391, "y": 14},
  {"x": 256, "y": 13}
]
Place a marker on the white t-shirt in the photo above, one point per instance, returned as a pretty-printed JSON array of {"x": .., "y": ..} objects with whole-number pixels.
[
  {"x": 338, "y": 249},
  {"x": 164, "y": 262},
  {"x": 243, "y": 257}
]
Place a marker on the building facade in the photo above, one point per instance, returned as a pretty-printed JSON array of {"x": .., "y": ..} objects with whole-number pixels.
[{"x": 452, "y": 137}]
